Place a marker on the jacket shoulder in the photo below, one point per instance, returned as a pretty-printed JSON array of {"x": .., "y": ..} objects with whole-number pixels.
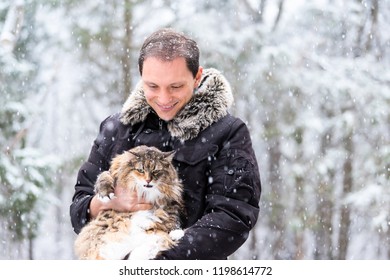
[
  {"x": 227, "y": 128},
  {"x": 211, "y": 140},
  {"x": 111, "y": 133}
]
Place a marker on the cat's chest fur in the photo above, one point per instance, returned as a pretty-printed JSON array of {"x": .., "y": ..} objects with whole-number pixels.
[
  {"x": 123, "y": 232},
  {"x": 113, "y": 221}
]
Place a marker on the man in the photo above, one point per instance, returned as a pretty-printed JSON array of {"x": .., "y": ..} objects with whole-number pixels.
[{"x": 180, "y": 106}]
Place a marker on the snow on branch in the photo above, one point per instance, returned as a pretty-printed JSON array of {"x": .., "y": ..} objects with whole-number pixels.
[{"x": 12, "y": 26}]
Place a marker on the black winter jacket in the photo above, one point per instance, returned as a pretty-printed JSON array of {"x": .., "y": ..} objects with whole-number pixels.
[{"x": 214, "y": 158}]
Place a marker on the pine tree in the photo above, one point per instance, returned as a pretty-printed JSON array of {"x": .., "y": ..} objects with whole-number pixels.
[{"x": 25, "y": 174}]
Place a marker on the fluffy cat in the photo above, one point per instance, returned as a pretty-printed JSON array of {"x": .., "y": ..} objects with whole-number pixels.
[{"x": 141, "y": 234}]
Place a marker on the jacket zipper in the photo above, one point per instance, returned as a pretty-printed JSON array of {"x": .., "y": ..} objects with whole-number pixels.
[{"x": 160, "y": 124}]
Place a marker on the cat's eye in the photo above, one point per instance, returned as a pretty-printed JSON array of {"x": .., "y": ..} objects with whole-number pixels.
[{"x": 139, "y": 170}]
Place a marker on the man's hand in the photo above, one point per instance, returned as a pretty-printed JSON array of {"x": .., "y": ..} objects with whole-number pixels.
[
  {"x": 128, "y": 201},
  {"x": 123, "y": 201}
]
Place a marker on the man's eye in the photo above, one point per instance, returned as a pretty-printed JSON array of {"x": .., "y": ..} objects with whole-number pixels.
[
  {"x": 177, "y": 87},
  {"x": 152, "y": 86}
]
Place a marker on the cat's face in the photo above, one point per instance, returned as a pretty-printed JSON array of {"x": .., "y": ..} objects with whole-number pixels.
[{"x": 149, "y": 171}]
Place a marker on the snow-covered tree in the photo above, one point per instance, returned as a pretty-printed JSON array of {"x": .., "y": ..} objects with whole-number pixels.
[
  {"x": 25, "y": 173},
  {"x": 310, "y": 78}
]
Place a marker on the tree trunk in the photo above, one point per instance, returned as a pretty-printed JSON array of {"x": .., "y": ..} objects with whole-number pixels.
[
  {"x": 300, "y": 214},
  {"x": 345, "y": 215},
  {"x": 127, "y": 44},
  {"x": 279, "y": 15},
  {"x": 253, "y": 248},
  {"x": 367, "y": 32},
  {"x": 325, "y": 206},
  {"x": 388, "y": 238},
  {"x": 30, "y": 248},
  {"x": 256, "y": 14},
  {"x": 372, "y": 36},
  {"x": 277, "y": 213},
  {"x": 299, "y": 204}
]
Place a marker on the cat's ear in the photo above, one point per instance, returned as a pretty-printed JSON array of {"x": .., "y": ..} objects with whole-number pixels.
[
  {"x": 135, "y": 154},
  {"x": 169, "y": 155},
  {"x": 115, "y": 166},
  {"x": 119, "y": 162}
]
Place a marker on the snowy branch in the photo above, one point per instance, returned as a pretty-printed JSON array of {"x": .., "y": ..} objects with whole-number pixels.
[{"x": 12, "y": 26}]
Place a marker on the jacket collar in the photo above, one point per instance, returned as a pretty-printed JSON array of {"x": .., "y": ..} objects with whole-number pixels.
[{"x": 209, "y": 103}]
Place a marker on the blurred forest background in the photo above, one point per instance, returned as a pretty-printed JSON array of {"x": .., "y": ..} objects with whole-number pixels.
[{"x": 310, "y": 78}]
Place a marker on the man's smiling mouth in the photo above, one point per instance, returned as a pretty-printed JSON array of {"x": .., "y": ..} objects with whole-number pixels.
[{"x": 166, "y": 107}]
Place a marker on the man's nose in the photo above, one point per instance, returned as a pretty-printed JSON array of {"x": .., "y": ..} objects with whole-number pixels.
[{"x": 164, "y": 96}]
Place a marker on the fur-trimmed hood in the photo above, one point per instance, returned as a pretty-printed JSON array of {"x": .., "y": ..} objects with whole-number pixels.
[{"x": 209, "y": 103}]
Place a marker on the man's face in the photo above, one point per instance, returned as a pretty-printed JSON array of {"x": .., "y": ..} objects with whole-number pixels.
[{"x": 168, "y": 85}]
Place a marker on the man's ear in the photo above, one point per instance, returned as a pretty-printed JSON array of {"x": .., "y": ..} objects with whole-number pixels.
[{"x": 198, "y": 76}]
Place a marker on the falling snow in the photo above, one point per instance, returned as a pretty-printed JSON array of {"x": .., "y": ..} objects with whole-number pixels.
[{"x": 311, "y": 80}]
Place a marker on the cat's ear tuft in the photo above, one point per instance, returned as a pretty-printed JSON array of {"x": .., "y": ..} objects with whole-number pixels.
[
  {"x": 169, "y": 155},
  {"x": 134, "y": 153}
]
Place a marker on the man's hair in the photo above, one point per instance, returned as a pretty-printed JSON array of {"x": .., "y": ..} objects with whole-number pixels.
[{"x": 167, "y": 44}]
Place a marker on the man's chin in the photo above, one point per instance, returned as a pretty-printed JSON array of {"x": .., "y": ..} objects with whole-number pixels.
[{"x": 165, "y": 117}]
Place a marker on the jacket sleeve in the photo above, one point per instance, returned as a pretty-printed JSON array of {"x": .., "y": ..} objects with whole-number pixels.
[
  {"x": 232, "y": 202},
  {"x": 87, "y": 175}
]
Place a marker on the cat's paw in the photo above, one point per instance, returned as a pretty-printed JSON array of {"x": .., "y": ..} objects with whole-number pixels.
[
  {"x": 106, "y": 198},
  {"x": 104, "y": 186},
  {"x": 176, "y": 234},
  {"x": 144, "y": 220},
  {"x": 147, "y": 250},
  {"x": 143, "y": 253},
  {"x": 114, "y": 250}
]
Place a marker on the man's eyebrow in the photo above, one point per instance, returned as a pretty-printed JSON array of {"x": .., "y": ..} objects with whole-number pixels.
[
  {"x": 171, "y": 84},
  {"x": 149, "y": 83}
]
